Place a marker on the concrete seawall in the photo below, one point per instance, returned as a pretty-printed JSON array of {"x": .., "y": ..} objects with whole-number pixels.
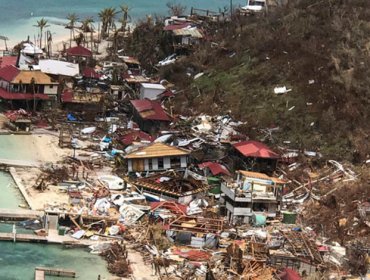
[{"x": 21, "y": 187}]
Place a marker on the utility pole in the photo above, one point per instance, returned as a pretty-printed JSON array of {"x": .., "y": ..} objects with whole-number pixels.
[{"x": 231, "y": 8}]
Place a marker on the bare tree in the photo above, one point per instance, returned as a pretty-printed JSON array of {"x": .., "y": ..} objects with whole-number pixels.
[{"x": 175, "y": 9}]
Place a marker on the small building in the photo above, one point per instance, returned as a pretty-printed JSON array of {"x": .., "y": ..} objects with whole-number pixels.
[
  {"x": 149, "y": 115},
  {"x": 118, "y": 92},
  {"x": 80, "y": 55},
  {"x": 257, "y": 156},
  {"x": 251, "y": 194},
  {"x": 133, "y": 65},
  {"x": 151, "y": 91},
  {"x": 26, "y": 85},
  {"x": 78, "y": 100},
  {"x": 157, "y": 157}
]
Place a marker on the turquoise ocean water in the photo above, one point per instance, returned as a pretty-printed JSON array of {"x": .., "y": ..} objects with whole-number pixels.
[{"x": 18, "y": 17}]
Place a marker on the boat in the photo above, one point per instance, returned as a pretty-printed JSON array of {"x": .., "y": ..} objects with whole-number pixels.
[{"x": 112, "y": 182}]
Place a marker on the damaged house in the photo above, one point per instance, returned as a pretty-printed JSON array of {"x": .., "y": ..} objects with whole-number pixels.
[
  {"x": 27, "y": 85},
  {"x": 157, "y": 157},
  {"x": 251, "y": 194},
  {"x": 149, "y": 115},
  {"x": 257, "y": 156},
  {"x": 171, "y": 186},
  {"x": 185, "y": 34}
]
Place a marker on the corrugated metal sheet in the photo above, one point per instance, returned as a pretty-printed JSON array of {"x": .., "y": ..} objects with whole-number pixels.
[
  {"x": 192, "y": 32},
  {"x": 150, "y": 110},
  {"x": 255, "y": 149},
  {"x": 157, "y": 150}
]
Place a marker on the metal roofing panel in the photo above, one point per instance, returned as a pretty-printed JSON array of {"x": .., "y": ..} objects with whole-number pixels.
[
  {"x": 192, "y": 32},
  {"x": 255, "y": 149},
  {"x": 157, "y": 150},
  {"x": 56, "y": 67},
  {"x": 150, "y": 110}
]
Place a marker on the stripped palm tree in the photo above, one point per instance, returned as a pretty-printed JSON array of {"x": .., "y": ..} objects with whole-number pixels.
[
  {"x": 103, "y": 18},
  {"x": 88, "y": 27},
  {"x": 107, "y": 17},
  {"x": 125, "y": 18},
  {"x": 41, "y": 24},
  {"x": 73, "y": 18}
]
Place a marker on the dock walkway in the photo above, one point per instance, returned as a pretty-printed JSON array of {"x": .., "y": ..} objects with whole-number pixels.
[
  {"x": 19, "y": 214},
  {"x": 40, "y": 272},
  {"x": 22, "y": 237},
  {"x": 21, "y": 187}
]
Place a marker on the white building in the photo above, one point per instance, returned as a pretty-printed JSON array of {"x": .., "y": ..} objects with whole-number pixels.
[
  {"x": 252, "y": 193},
  {"x": 151, "y": 91},
  {"x": 157, "y": 157}
]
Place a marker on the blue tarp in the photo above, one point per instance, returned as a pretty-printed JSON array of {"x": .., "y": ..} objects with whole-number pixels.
[{"x": 71, "y": 117}]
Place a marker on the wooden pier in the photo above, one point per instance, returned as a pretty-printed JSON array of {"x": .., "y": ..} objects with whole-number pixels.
[
  {"x": 19, "y": 214},
  {"x": 40, "y": 272},
  {"x": 22, "y": 237}
]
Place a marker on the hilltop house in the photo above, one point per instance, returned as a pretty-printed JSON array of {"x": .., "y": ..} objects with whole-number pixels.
[
  {"x": 257, "y": 156},
  {"x": 149, "y": 115},
  {"x": 252, "y": 193},
  {"x": 80, "y": 55},
  {"x": 185, "y": 34},
  {"x": 157, "y": 157}
]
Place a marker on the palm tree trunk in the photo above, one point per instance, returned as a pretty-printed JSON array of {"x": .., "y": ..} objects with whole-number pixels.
[
  {"x": 41, "y": 37},
  {"x": 70, "y": 38}
]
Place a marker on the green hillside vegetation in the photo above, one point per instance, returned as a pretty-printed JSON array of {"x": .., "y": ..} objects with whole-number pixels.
[{"x": 324, "y": 41}]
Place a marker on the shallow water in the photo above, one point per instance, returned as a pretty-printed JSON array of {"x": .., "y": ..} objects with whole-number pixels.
[
  {"x": 18, "y": 260},
  {"x": 10, "y": 196}
]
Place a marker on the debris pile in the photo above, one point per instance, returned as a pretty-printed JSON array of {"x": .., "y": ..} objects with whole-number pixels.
[{"x": 117, "y": 258}]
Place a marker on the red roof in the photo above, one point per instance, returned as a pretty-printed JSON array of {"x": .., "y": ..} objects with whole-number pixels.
[
  {"x": 13, "y": 115},
  {"x": 150, "y": 110},
  {"x": 215, "y": 168},
  {"x": 255, "y": 149},
  {"x": 135, "y": 135},
  {"x": 4, "y": 94},
  {"x": 8, "y": 73},
  {"x": 91, "y": 73},
  {"x": 79, "y": 51},
  {"x": 8, "y": 60}
]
